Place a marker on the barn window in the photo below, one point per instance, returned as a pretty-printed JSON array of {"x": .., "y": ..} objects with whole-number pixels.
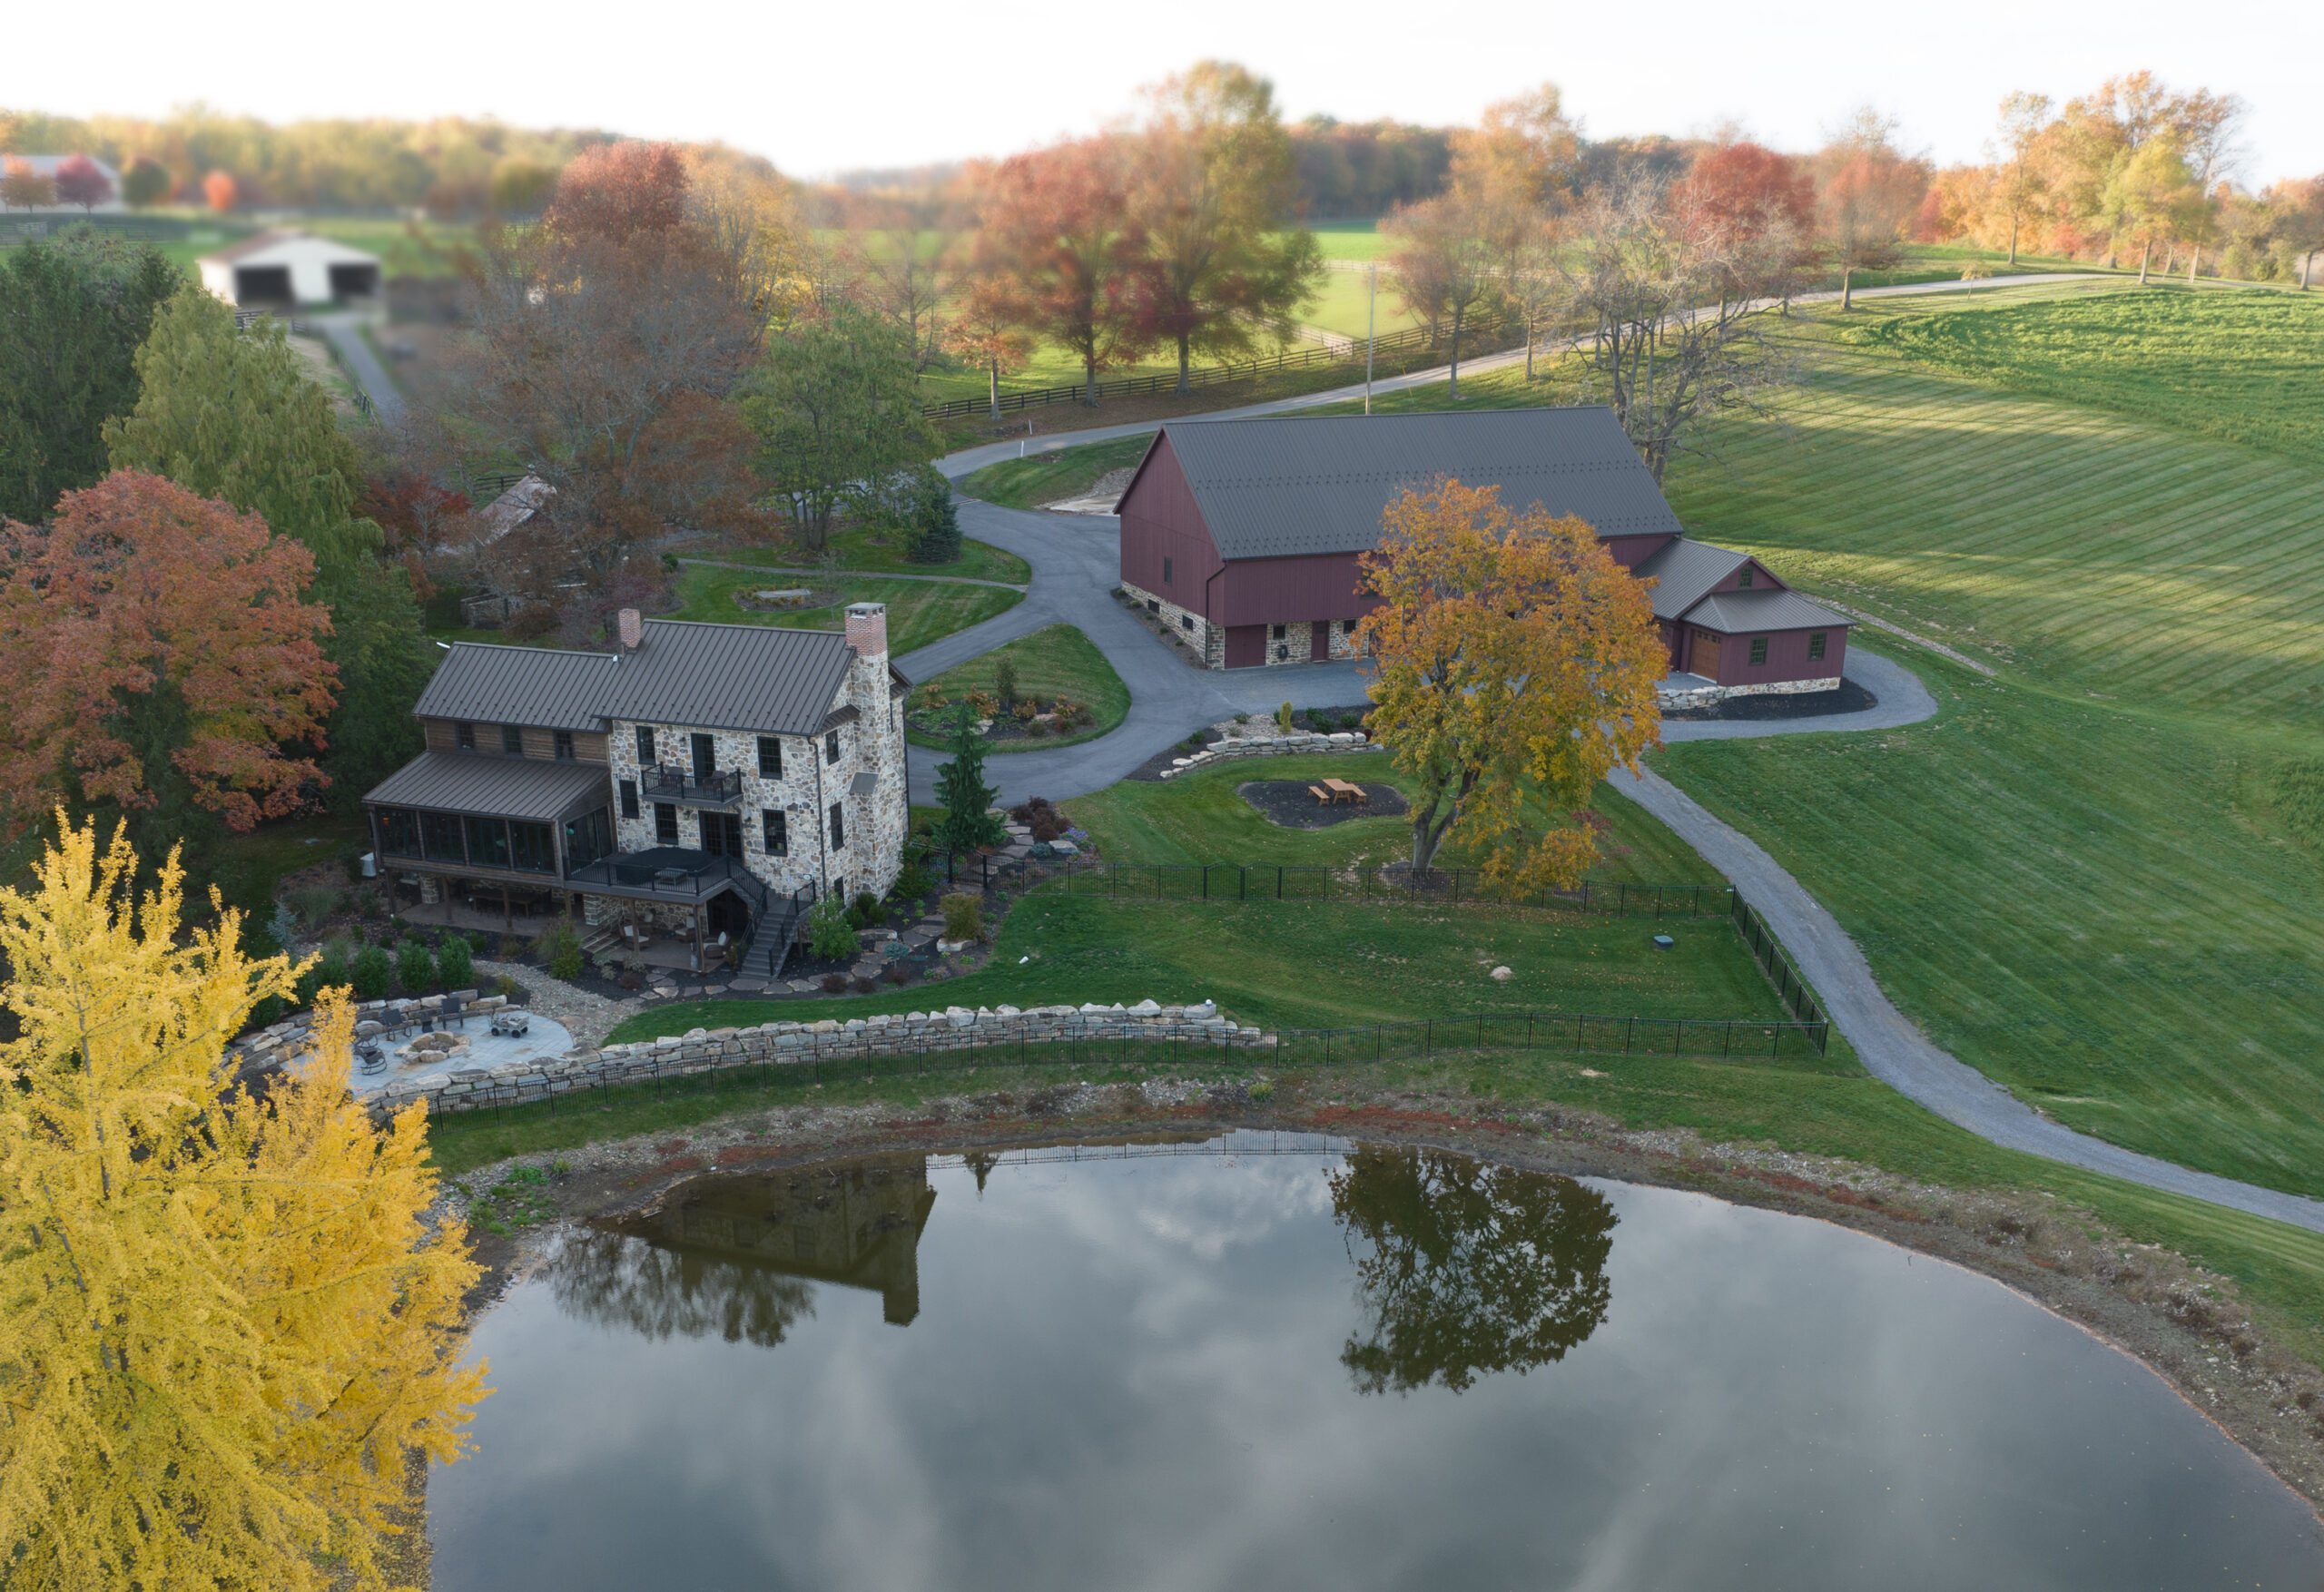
[
  {"x": 1815, "y": 646},
  {"x": 1153, "y": 604},
  {"x": 1186, "y": 622},
  {"x": 1347, "y": 628},
  {"x": 1759, "y": 649},
  {"x": 1279, "y": 632},
  {"x": 1743, "y": 578},
  {"x": 1166, "y": 571}
]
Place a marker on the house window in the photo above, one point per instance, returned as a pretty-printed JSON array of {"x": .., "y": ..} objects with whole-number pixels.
[
  {"x": 564, "y": 746},
  {"x": 487, "y": 843},
  {"x": 665, "y": 823},
  {"x": 705, "y": 756},
  {"x": 839, "y": 828},
  {"x": 1166, "y": 571},
  {"x": 774, "y": 829},
  {"x": 512, "y": 740},
  {"x": 722, "y": 833},
  {"x": 464, "y": 736},
  {"x": 439, "y": 837},
  {"x": 831, "y": 747},
  {"x": 770, "y": 757},
  {"x": 532, "y": 847},
  {"x": 1815, "y": 646},
  {"x": 645, "y": 746},
  {"x": 1759, "y": 649},
  {"x": 1743, "y": 578},
  {"x": 399, "y": 833},
  {"x": 588, "y": 837},
  {"x": 629, "y": 808},
  {"x": 1280, "y": 631}
]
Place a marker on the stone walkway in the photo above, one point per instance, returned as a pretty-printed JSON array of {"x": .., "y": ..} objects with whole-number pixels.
[{"x": 588, "y": 1017}]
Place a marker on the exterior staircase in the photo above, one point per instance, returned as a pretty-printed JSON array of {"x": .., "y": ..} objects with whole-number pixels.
[{"x": 770, "y": 940}]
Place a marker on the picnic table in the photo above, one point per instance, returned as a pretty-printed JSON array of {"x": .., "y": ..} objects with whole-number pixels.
[{"x": 1343, "y": 792}]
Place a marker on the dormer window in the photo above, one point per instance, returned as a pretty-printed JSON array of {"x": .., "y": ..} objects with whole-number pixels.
[
  {"x": 464, "y": 736},
  {"x": 512, "y": 740},
  {"x": 564, "y": 746},
  {"x": 1743, "y": 578}
]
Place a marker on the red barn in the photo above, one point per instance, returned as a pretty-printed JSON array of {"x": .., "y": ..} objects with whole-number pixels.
[{"x": 1245, "y": 534}]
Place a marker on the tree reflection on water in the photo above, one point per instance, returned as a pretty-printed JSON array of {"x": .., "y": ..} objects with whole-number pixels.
[
  {"x": 737, "y": 1257},
  {"x": 1467, "y": 1268}
]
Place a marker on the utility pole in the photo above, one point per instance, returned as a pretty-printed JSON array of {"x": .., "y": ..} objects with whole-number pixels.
[{"x": 1371, "y": 328}]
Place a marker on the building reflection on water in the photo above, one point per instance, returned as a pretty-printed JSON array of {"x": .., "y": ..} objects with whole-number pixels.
[{"x": 736, "y": 1256}]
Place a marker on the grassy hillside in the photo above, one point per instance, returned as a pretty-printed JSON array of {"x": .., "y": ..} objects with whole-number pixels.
[
  {"x": 1056, "y": 660},
  {"x": 919, "y": 611},
  {"x": 2243, "y": 365},
  {"x": 1049, "y": 477}
]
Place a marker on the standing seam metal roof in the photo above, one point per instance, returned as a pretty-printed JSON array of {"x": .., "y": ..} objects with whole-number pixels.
[
  {"x": 1286, "y": 487},
  {"x": 1683, "y": 571},
  {"x": 1731, "y": 611},
  {"x": 488, "y": 683},
  {"x": 501, "y": 787},
  {"x": 730, "y": 677}
]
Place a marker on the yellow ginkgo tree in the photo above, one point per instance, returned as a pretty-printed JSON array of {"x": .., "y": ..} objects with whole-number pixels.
[
  {"x": 1515, "y": 665},
  {"x": 227, "y": 1328}
]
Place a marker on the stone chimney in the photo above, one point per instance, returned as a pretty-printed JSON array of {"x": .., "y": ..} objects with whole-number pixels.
[
  {"x": 867, "y": 630},
  {"x": 633, "y": 629}
]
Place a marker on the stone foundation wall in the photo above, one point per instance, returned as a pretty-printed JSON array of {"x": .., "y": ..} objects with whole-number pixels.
[
  {"x": 1270, "y": 743},
  {"x": 1205, "y": 638},
  {"x": 792, "y": 1044},
  {"x": 1704, "y": 695}
]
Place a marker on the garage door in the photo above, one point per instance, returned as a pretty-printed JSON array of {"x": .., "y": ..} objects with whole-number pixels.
[
  {"x": 1246, "y": 645},
  {"x": 1704, "y": 660}
]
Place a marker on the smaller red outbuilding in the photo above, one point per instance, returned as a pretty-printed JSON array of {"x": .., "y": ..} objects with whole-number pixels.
[{"x": 1244, "y": 536}]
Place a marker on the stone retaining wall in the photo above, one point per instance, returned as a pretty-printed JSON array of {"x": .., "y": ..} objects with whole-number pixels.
[
  {"x": 792, "y": 1043},
  {"x": 1255, "y": 742}
]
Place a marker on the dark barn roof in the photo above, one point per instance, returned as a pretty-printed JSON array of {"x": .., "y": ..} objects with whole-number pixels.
[
  {"x": 1290, "y": 488},
  {"x": 1734, "y": 612}
]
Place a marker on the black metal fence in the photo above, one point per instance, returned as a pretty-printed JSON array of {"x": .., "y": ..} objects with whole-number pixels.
[
  {"x": 1269, "y": 881},
  {"x": 1473, "y": 341},
  {"x": 1775, "y": 962}
]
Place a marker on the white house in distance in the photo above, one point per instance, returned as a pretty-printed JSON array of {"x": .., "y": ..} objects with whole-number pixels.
[{"x": 289, "y": 268}]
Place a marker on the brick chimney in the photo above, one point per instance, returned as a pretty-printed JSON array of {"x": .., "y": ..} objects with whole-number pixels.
[
  {"x": 867, "y": 630},
  {"x": 633, "y": 629}
]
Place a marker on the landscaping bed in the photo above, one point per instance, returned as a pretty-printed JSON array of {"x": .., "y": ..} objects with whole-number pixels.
[
  {"x": 1052, "y": 688},
  {"x": 1849, "y": 698},
  {"x": 1293, "y": 803}
]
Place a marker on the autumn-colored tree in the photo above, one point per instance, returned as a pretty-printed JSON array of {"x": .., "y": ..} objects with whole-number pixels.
[
  {"x": 1061, "y": 250},
  {"x": 220, "y": 190},
  {"x": 1448, "y": 269},
  {"x": 1516, "y": 664},
  {"x": 146, "y": 182},
  {"x": 2298, "y": 206},
  {"x": 2019, "y": 178},
  {"x": 1216, "y": 196},
  {"x": 24, "y": 188},
  {"x": 983, "y": 329},
  {"x": 80, "y": 180},
  {"x": 1749, "y": 189},
  {"x": 2154, "y": 195},
  {"x": 520, "y": 187},
  {"x": 1522, "y": 156},
  {"x": 159, "y": 660},
  {"x": 606, "y": 343},
  {"x": 1867, "y": 196},
  {"x": 228, "y": 1322}
]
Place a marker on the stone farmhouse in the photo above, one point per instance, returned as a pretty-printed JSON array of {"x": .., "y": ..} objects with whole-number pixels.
[
  {"x": 1245, "y": 534},
  {"x": 694, "y": 791}
]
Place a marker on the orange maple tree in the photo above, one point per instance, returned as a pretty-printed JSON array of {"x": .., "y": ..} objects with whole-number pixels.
[
  {"x": 142, "y": 604},
  {"x": 1516, "y": 664}
]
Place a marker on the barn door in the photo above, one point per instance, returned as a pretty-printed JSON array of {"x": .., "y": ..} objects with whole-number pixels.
[
  {"x": 1319, "y": 645},
  {"x": 1704, "y": 660}
]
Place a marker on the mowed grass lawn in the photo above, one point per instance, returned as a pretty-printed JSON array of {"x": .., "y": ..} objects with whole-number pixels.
[
  {"x": 859, "y": 547},
  {"x": 1301, "y": 964},
  {"x": 919, "y": 611},
  {"x": 1056, "y": 660},
  {"x": 1201, "y": 818},
  {"x": 1049, "y": 477}
]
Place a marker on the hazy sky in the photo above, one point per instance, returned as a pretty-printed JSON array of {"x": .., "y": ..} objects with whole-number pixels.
[{"x": 821, "y": 88}]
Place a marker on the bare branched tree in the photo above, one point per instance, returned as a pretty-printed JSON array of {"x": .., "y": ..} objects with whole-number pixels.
[{"x": 1675, "y": 304}]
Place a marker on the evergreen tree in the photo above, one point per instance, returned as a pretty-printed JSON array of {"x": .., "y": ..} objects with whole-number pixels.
[
  {"x": 935, "y": 518},
  {"x": 960, "y": 785},
  {"x": 232, "y": 414},
  {"x": 72, "y": 312}
]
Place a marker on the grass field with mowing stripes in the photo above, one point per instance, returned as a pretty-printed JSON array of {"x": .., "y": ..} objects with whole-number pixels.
[{"x": 919, "y": 611}]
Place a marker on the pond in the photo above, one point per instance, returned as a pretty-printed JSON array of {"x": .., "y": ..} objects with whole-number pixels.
[{"x": 1274, "y": 1362}]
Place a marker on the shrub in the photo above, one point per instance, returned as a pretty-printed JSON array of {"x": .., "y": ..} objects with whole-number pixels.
[
  {"x": 866, "y": 911},
  {"x": 512, "y": 948},
  {"x": 1283, "y": 716},
  {"x": 1004, "y": 680},
  {"x": 835, "y": 984},
  {"x": 313, "y": 903},
  {"x": 1036, "y": 727},
  {"x": 865, "y": 984},
  {"x": 415, "y": 969},
  {"x": 1025, "y": 711},
  {"x": 895, "y": 973},
  {"x": 456, "y": 963},
  {"x": 506, "y": 988},
  {"x": 829, "y": 935},
  {"x": 913, "y": 883},
  {"x": 560, "y": 950},
  {"x": 1242, "y": 718},
  {"x": 963, "y": 916},
  {"x": 283, "y": 927},
  {"x": 372, "y": 973}
]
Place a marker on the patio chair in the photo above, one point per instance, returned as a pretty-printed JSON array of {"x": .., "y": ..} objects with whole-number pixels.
[{"x": 370, "y": 1058}]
